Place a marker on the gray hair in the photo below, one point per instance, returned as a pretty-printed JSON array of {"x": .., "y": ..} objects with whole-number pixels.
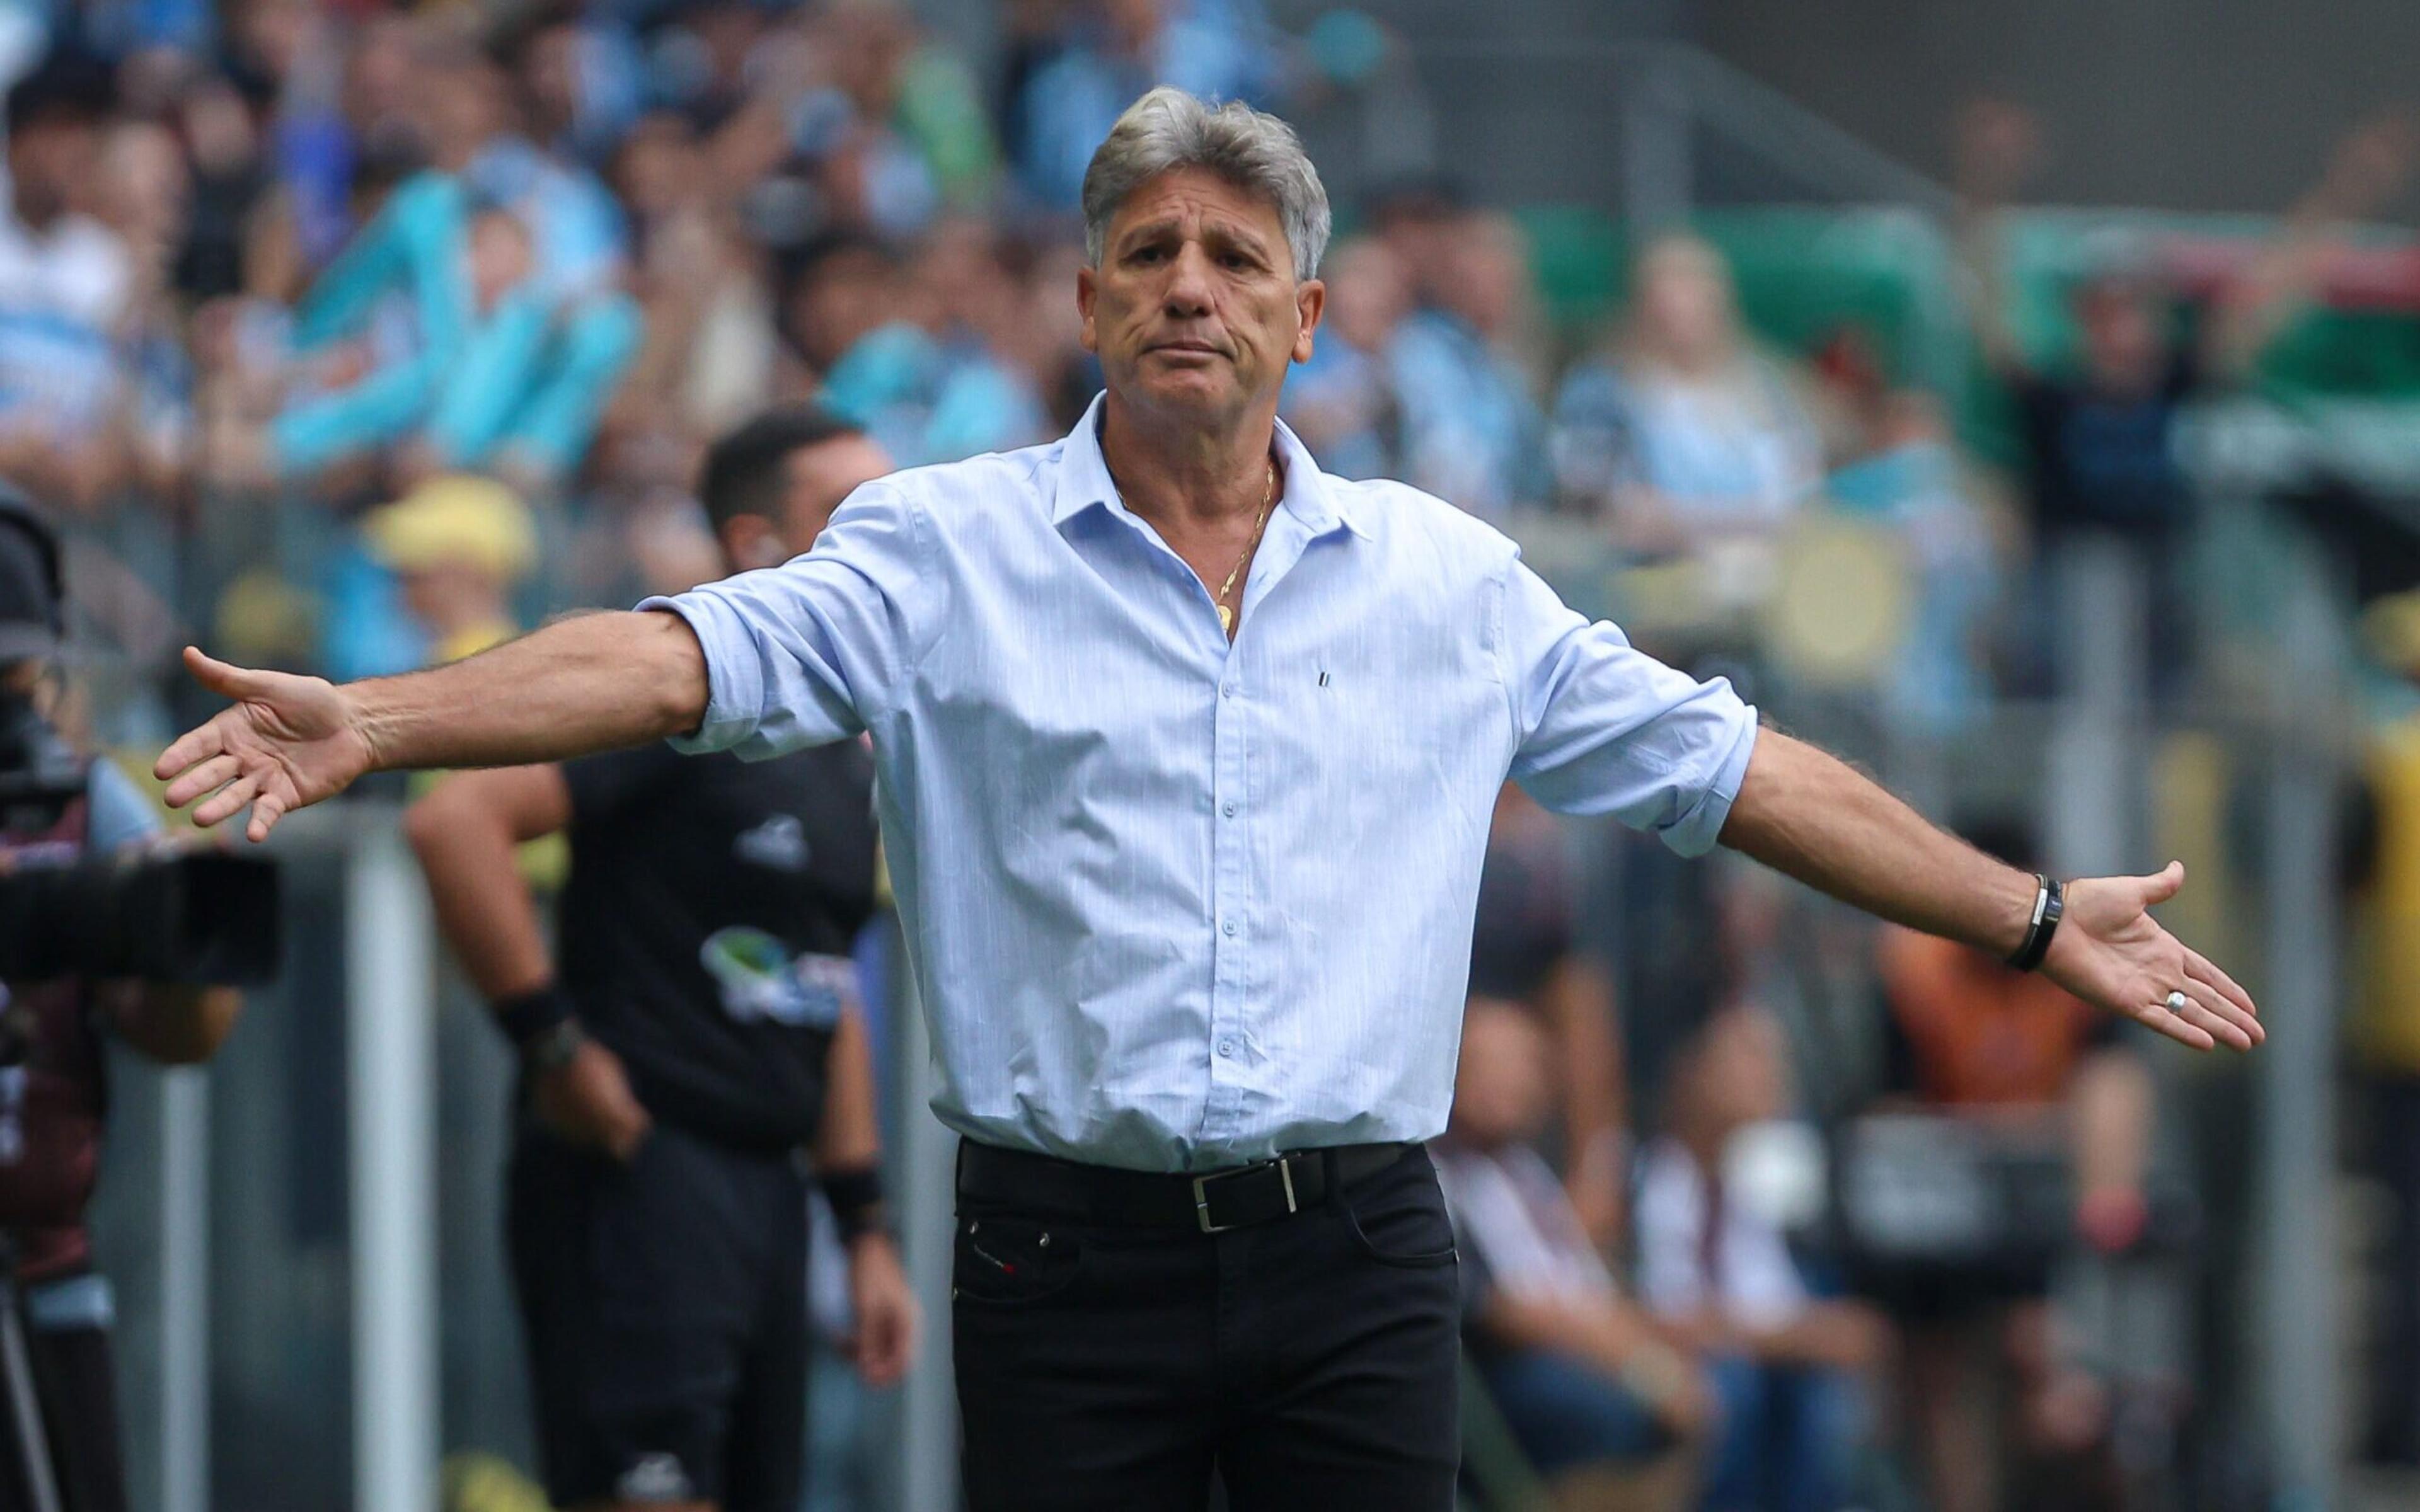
[{"x": 1168, "y": 129}]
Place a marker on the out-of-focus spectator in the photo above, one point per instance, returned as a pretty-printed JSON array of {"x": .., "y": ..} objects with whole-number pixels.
[
  {"x": 1720, "y": 1278},
  {"x": 66, "y": 285},
  {"x": 147, "y": 197},
  {"x": 1418, "y": 219},
  {"x": 897, "y": 79},
  {"x": 710, "y": 355},
  {"x": 1680, "y": 431},
  {"x": 580, "y": 75},
  {"x": 1216, "y": 49},
  {"x": 1895, "y": 463},
  {"x": 1342, "y": 402},
  {"x": 459, "y": 546},
  {"x": 2020, "y": 1058},
  {"x": 1473, "y": 434},
  {"x": 837, "y": 292},
  {"x": 479, "y": 303},
  {"x": 1525, "y": 949},
  {"x": 2099, "y": 431},
  {"x": 1603, "y": 1408},
  {"x": 915, "y": 356}
]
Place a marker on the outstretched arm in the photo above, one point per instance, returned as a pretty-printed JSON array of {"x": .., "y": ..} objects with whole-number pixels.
[
  {"x": 589, "y": 683},
  {"x": 1813, "y": 817},
  {"x": 2368, "y": 167},
  {"x": 798, "y": 655}
]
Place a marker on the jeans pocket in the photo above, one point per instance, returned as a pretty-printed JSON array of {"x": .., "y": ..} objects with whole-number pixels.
[
  {"x": 1011, "y": 1262},
  {"x": 1400, "y": 1224}
]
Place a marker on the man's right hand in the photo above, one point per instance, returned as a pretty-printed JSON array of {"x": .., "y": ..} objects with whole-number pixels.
[
  {"x": 588, "y": 1099},
  {"x": 286, "y": 741}
]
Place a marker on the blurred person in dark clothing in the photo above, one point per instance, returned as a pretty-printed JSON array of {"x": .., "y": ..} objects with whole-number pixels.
[
  {"x": 1604, "y": 1408},
  {"x": 2016, "y": 1055},
  {"x": 54, "y": 1085},
  {"x": 2100, "y": 434},
  {"x": 1525, "y": 949},
  {"x": 694, "y": 1034},
  {"x": 1719, "y": 1276},
  {"x": 1417, "y": 219},
  {"x": 835, "y": 291}
]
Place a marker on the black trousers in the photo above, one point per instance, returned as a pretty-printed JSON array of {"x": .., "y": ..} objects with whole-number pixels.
[
  {"x": 1310, "y": 1361},
  {"x": 75, "y": 1382},
  {"x": 664, "y": 1307}
]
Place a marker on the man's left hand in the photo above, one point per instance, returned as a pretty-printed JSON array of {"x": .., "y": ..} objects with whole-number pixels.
[
  {"x": 2110, "y": 952},
  {"x": 887, "y": 1321}
]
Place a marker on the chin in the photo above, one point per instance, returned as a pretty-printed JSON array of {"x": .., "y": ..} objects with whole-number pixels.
[{"x": 1207, "y": 392}]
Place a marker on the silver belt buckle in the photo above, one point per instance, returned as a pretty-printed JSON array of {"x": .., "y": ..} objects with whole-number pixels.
[{"x": 1201, "y": 1191}]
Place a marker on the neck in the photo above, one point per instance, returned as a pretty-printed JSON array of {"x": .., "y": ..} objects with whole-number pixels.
[{"x": 1184, "y": 474}]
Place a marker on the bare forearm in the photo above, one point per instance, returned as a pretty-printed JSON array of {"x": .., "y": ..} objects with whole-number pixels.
[
  {"x": 594, "y": 683},
  {"x": 2113, "y": 1100},
  {"x": 1810, "y": 815},
  {"x": 1578, "y": 1000},
  {"x": 850, "y": 1138},
  {"x": 483, "y": 905}
]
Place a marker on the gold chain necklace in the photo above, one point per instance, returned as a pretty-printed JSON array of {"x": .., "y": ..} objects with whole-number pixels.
[{"x": 1268, "y": 497}]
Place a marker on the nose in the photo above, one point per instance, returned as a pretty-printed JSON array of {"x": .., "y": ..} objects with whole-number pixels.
[{"x": 1188, "y": 295}]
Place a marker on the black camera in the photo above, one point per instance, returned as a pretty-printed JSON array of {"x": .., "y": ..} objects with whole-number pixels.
[
  {"x": 190, "y": 917},
  {"x": 187, "y": 917}
]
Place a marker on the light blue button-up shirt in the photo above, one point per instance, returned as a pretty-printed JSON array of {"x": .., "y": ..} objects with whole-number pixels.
[{"x": 1173, "y": 903}]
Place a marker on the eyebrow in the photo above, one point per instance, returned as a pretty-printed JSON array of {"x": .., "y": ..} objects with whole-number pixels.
[{"x": 1213, "y": 230}]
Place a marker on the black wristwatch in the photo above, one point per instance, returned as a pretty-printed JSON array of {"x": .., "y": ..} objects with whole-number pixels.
[{"x": 553, "y": 1047}]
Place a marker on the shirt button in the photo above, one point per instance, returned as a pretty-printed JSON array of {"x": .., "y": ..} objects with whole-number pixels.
[
  {"x": 1226, "y": 1047},
  {"x": 1229, "y": 927},
  {"x": 1230, "y": 809},
  {"x": 1227, "y": 691}
]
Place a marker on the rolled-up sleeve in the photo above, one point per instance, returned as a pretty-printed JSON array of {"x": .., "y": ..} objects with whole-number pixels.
[
  {"x": 1601, "y": 728},
  {"x": 811, "y": 651}
]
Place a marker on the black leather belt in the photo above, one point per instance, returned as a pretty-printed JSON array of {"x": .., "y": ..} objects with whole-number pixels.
[{"x": 1215, "y": 1200}]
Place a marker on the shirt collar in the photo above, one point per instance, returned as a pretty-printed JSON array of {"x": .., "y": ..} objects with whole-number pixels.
[{"x": 1084, "y": 480}]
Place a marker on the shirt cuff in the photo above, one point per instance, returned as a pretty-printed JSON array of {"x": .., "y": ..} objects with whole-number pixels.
[
  {"x": 1694, "y": 832},
  {"x": 735, "y": 684}
]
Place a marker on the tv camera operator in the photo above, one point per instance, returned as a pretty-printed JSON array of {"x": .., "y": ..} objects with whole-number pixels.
[
  {"x": 103, "y": 934},
  {"x": 694, "y": 1035}
]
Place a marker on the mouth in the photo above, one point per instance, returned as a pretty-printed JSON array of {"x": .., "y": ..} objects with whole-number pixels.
[{"x": 1187, "y": 348}]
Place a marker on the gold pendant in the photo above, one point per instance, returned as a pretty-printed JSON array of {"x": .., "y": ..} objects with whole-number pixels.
[{"x": 1226, "y": 619}]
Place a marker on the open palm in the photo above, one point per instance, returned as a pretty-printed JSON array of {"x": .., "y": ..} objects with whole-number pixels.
[
  {"x": 2112, "y": 953},
  {"x": 286, "y": 742}
]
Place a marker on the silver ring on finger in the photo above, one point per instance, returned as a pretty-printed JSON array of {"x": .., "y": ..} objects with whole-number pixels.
[{"x": 2178, "y": 1001}]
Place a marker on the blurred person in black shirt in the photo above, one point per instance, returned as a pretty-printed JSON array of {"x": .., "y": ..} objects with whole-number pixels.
[
  {"x": 2100, "y": 434},
  {"x": 695, "y": 1031}
]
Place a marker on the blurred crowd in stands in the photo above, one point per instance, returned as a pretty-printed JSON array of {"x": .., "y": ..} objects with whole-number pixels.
[
  {"x": 321, "y": 255},
  {"x": 351, "y": 337}
]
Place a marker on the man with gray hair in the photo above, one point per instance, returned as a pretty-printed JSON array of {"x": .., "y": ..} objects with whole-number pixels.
[{"x": 1187, "y": 754}]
